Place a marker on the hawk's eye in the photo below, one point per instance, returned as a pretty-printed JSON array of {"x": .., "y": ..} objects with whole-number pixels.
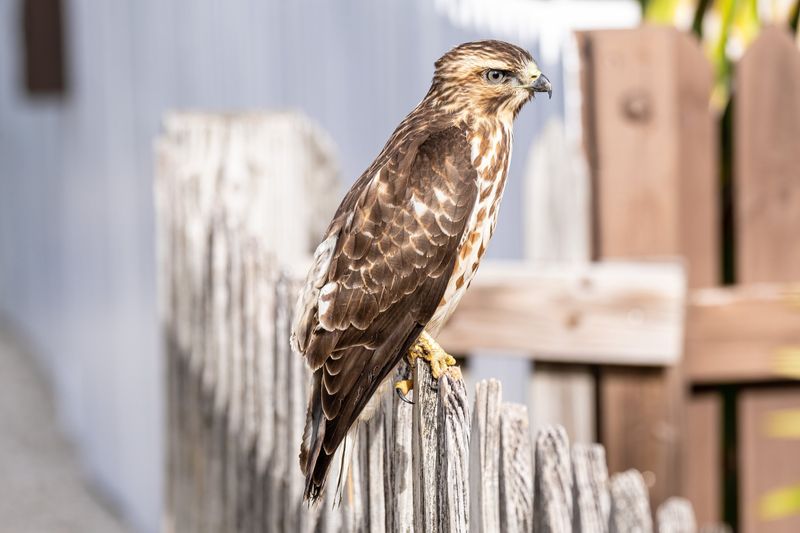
[{"x": 495, "y": 76}]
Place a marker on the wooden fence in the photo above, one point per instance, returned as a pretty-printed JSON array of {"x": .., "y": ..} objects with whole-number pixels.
[{"x": 237, "y": 394}]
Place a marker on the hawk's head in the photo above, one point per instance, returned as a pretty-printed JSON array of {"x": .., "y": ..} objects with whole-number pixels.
[{"x": 486, "y": 79}]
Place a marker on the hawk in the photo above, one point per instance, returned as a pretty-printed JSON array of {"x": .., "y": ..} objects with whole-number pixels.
[{"x": 406, "y": 241}]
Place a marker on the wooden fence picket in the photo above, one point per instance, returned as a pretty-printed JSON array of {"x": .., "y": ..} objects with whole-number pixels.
[
  {"x": 484, "y": 456},
  {"x": 452, "y": 480},
  {"x": 630, "y": 505},
  {"x": 552, "y": 497},
  {"x": 591, "y": 499},
  {"x": 676, "y": 516},
  {"x": 515, "y": 469}
]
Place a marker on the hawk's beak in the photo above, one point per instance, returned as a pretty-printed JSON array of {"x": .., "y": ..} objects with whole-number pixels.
[{"x": 542, "y": 85}]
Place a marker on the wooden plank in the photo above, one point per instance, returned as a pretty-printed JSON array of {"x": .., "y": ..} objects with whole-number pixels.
[
  {"x": 652, "y": 142},
  {"x": 640, "y": 426},
  {"x": 676, "y": 516},
  {"x": 553, "y": 505},
  {"x": 650, "y": 153},
  {"x": 630, "y": 507},
  {"x": 612, "y": 312},
  {"x": 766, "y": 159},
  {"x": 485, "y": 457},
  {"x": 564, "y": 395},
  {"x": 769, "y": 432},
  {"x": 425, "y": 440},
  {"x": 697, "y": 127},
  {"x": 515, "y": 469},
  {"x": 453, "y": 462},
  {"x": 702, "y": 461},
  {"x": 400, "y": 502},
  {"x": 591, "y": 498},
  {"x": 743, "y": 334}
]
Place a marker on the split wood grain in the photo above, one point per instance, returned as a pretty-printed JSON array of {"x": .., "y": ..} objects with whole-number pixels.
[
  {"x": 591, "y": 499},
  {"x": 425, "y": 440},
  {"x": 485, "y": 458},
  {"x": 400, "y": 500},
  {"x": 552, "y": 482},
  {"x": 452, "y": 478},
  {"x": 515, "y": 469}
]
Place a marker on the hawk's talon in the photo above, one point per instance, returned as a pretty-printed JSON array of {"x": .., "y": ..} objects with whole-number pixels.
[{"x": 402, "y": 388}]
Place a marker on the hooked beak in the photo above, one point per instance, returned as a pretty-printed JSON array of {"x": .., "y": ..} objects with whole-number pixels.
[{"x": 542, "y": 85}]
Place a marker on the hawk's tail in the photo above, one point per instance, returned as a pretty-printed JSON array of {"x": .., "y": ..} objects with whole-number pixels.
[{"x": 315, "y": 462}]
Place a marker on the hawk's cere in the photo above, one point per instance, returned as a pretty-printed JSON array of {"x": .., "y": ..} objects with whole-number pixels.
[{"x": 407, "y": 239}]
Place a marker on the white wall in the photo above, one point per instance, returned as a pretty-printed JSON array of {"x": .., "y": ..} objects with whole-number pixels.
[{"x": 77, "y": 266}]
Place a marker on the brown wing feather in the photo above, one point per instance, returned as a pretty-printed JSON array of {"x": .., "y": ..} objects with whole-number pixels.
[{"x": 397, "y": 236}]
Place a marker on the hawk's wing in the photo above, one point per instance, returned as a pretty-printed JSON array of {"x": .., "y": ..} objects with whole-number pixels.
[{"x": 377, "y": 279}]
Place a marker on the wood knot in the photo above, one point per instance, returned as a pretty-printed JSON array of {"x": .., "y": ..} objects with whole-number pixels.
[{"x": 636, "y": 106}]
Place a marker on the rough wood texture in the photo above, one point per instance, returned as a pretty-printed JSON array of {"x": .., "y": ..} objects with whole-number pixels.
[
  {"x": 611, "y": 312},
  {"x": 515, "y": 469},
  {"x": 766, "y": 159},
  {"x": 452, "y": 478},
  {"x": 553, "y": 482},
  {"x": 630, "y": 507},
  {"x": 237, "y": 393},
  {"x": 591, "y": 499},
  {"x": 425, "y": 441},
  {"x": 676, "y": 516},
  {"x": 485, "y": 458},
  {"x": 400, "y": 501}
]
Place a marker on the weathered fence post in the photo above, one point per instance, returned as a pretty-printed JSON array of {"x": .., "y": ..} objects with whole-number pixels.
[
  {"x": 516, "y": 469},
  {"x": 484, "y": 456},
  {"x": 452, "y": 480},
  {"x": 236, "y": 397},
  {"x": 553, "y": 482},
  {"x": 630, "y": 506},
  {"x": 591, "y": 499},
  {"x": 676, "y": 516}
]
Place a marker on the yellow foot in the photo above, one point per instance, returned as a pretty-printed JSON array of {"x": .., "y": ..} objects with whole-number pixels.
[{"x": 429, "y": 349}]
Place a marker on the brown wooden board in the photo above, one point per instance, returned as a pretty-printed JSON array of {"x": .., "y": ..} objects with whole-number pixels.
[
  {"x": 702, "y": 458},
  {"x": 651, "y": 142},
  {"x": 743, "y": 334},
  {"x": 767, "y": 159},
  {"x": 767, "y": 218},
  {"x": 769, "y": 429}
]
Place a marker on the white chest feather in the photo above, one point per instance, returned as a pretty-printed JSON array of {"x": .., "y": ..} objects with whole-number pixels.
[{"x": 492, "y": 166}]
